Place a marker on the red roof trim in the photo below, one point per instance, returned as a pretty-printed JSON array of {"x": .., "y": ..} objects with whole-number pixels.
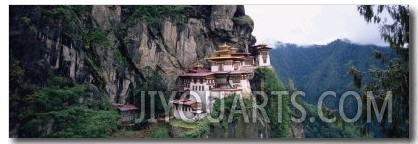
[{"x": 127, "y": 107}]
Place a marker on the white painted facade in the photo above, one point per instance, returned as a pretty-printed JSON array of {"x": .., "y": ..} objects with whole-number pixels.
[
  {"x": 205, "y": 92},
  {"x": 228, "y": 67},
  {"x": 186, "y": 113},
  {"x": 244, "y": 63},
  {"x": 214, "y": 68},
  {"x": 200, "y": 89},
  {"x": 261, "y": 62},
  {"x": 246, "y": 87}
]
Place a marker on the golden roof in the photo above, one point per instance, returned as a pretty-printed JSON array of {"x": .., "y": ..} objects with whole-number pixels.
[
  {"x": 225, "y": 53},
  {"x": 233, "y": 49},
  {"x": 224, "y": 46}
]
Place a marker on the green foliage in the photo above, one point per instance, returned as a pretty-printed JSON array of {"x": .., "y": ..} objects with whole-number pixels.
[
  {"x": 200, "y": 129},
  {"x": 155, "y": 14},
  {"x": 395, "y": 32},
  {"x": 319, "y": 68},
  {"x": 92, "y": 36},
  {"x": 56, "y": 111},
  {"x": 15, "y": 69},
  {"x": 243, "y": 20},
  {"x": 153, "y": 82},
  {"x": 98, "y": 36},
  {"x": 266, "y": 79},
  {"x": 321, "y": 129},
  {"x": 25, "y": 20},
  {"x": 160, "y": 133},
  {"x": 228, "y": 103},
  {"x": 181, "y": 123},
  {"x": 57, "y": 96},
  {"x": 318, "y": 128},
  {"x": 28, "y": 23},
  {"x": 80, "y": 121},
  {"x": 58, "y": 12},
  {"x": 396, "y": 77}
]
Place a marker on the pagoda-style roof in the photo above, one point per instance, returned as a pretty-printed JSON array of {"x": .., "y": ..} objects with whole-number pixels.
[
  {"x": 197, "y": 71},
  {"x": 227, "y": 53},
  {"x": 240, "y": 54},
  {"x": 127, "y": 107},
  {"x": 233, "y": 50},
  {"x": 198, "y": 66},
  {"x": 187, "y": 102},
  {"x": 249, "y": 57},
  {"x": 199, "y": 74},
  {"x": 232, "y": 72},
  {"x": 225, "y": 58},
  {"x": 262, "y": 47},
  {"x": 224, "y": 46},
  {"x": 221, "y": 72},
  {"x": 184, "y": 101},
  {"x": 239, "y": 72},
  {"x": 225, "y": 89}
]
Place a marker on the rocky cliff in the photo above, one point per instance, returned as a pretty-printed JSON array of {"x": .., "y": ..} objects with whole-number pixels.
[{"x": 108, "y": 47}]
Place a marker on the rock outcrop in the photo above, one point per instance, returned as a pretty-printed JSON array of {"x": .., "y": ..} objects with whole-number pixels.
[{"x": 108, "y": 48}]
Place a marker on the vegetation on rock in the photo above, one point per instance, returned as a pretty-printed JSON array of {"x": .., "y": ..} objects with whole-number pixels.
[
  {"x": 61, "y": 109},
  {"x": 266, "y": 79}
]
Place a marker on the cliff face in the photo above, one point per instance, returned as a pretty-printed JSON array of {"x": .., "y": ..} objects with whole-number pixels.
[{"x": 108, "y": 47}]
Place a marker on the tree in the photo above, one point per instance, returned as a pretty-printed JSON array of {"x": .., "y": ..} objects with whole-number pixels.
[
  {"x": 266, "y": 79},
  {"x": 394, "y": 29},
  {"x": 56, "y": 111}
]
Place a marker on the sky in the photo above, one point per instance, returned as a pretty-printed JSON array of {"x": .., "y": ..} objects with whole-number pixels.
[{"x": 311, "y": 24}]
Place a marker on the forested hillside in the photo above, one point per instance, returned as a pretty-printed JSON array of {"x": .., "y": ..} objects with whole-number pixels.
[{"x": 319, "y": 68}]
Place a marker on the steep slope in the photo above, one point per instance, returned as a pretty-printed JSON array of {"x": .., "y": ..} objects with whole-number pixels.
[
  {"x": 110, "y": 48},
  {"x": 319, "y": 68}
]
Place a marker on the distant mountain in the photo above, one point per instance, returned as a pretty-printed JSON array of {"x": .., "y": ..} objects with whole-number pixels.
[{"x": 319, "y": 68}]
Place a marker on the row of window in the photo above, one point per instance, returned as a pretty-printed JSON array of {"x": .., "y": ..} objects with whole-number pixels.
[
  {"x": 199, "y": 80},
  {"x": 183, "y": 108},
  {"x": 198, "y": 88}
]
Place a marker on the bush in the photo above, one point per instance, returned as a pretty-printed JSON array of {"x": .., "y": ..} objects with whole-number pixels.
[
  {"x": 244, "y": 20},
  {"x": 57, "y": 106},
  {"x": 160, "y": 133},
  {"x": 266, "y": 79},
  {"x": 201, "y": 128},
  {"x": 154, "y": 14}
]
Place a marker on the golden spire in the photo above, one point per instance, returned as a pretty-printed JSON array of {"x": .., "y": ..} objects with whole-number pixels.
[{"x": 224, "y": 46}]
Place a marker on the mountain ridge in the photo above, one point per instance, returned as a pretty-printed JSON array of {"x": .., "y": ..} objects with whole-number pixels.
[
  {"x": 319, "y": 68},
  {"x": 280, "y": 44}
]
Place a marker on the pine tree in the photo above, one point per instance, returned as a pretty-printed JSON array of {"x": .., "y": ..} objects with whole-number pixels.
[{"x": 394, "y": 29}]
